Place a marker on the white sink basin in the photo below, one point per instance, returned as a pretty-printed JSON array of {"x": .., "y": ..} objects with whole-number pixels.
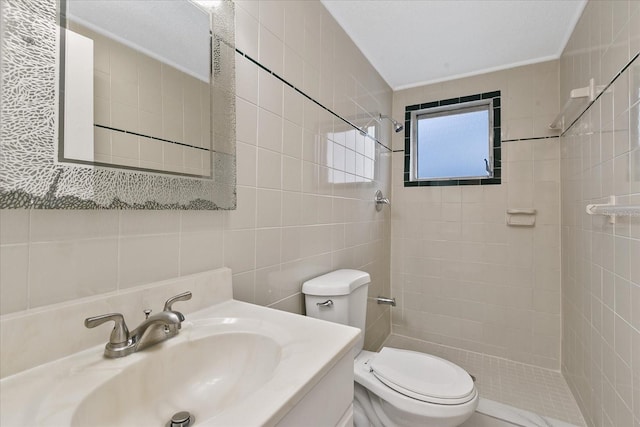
[
  {"x": 205, "y": 376},
  {"x": 232, "y": 364}
]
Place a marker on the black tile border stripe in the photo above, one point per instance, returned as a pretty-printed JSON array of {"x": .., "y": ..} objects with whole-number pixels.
[
  {"x": 533, "y": 138},
  {"x": 152, "y": 137},
  {"x": 497, "y": 146},
  {"x": 301, "y": 92}
]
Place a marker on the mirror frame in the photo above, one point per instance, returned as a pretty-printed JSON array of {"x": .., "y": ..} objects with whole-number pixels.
[{"x": 30, "y": 174}]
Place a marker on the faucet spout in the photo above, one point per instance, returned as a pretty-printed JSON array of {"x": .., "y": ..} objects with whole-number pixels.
[{"x": 156, "y": 328}]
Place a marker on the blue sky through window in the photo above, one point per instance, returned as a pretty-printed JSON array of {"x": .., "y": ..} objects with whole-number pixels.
[{"x": 453, "y": 146}]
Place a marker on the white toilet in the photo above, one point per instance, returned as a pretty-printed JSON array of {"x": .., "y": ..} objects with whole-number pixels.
[{"x": 393, "y": 387}]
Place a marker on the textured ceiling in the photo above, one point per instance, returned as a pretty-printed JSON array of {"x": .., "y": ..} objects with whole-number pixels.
[{"x": 415, "y": 42}]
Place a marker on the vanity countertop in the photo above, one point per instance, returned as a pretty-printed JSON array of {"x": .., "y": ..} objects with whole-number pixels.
[{"x": 50, "y": 394}]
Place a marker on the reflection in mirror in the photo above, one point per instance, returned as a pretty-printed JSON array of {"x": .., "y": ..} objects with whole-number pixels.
[
  {"x": 128, "y": 111},
  {"x": 351, "y": 156},
  {"x": 133, "y": 93}
]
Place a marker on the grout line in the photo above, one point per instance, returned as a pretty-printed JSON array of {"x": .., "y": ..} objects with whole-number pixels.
[
  {"x": 29, "y": 261},
  {"x": 118, "y": 252}
]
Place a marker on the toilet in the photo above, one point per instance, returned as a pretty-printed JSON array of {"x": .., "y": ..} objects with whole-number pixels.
[{"x": 392, "y": 387}]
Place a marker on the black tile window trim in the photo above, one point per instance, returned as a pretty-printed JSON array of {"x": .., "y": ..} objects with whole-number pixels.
[
  {"x": 428, "y": 105},
  {"x": 301, "y": 92},
  {"x": 471, "y": 98},
  {"x": 450, "y": 101},
  {"x": 494, "y": 94},
  {"x": 497, "y": 151}
]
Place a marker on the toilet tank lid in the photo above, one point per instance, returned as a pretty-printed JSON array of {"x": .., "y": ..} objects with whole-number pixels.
[{"x": 339, "y": 282}]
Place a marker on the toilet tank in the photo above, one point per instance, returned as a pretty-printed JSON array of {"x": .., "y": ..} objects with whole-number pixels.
[{"x": 339, "y": 297}]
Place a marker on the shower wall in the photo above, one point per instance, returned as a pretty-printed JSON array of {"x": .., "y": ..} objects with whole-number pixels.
[
  {"x": 600, "y": 260},
  {"x": 462, "y": 276}
]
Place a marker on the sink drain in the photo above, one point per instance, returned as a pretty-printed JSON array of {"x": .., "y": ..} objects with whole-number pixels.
[{"x": 181, "y": 419}]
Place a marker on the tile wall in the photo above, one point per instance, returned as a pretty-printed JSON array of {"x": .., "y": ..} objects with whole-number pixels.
[
  {"x": 601, "y": 261},
  {"x": 136, "y": 93},
  {"x": 463, "y": 278},
  {"x": 303, "y": 210}
]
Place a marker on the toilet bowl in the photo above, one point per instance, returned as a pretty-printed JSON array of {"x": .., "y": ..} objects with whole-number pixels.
[
  {"x": 393, "y": 387},
  {"x": 420, "y": 389}
]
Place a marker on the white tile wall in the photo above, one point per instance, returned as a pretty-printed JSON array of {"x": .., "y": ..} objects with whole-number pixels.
[
  {"x": 464, "y": 278},
  {"x": 292, "y": 221},
  {"x": 600, "y": 281}
]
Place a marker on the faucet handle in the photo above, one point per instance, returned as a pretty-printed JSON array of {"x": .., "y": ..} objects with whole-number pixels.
[
  {"x": 185, "y": 296},
  {"x": 120, "y": 332}
]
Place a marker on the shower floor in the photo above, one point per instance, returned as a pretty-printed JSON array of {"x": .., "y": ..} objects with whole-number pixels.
[{"x": 534, "y": 389}]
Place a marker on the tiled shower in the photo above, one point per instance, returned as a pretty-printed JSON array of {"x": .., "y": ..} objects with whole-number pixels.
[
  {"x": 466, "y": 279},
  {"x": 564, "y": 294},
  {"x": 600, "y": 157},
  {"x": 561, "y": 296}
]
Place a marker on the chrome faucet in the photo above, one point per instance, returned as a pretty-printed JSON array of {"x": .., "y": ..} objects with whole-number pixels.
[{"x": 154, "y": 329}]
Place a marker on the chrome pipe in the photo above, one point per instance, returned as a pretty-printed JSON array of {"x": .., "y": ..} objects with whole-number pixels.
[
  {"x": 397, "y": 126},
  {"x": 386, "y": 300}
]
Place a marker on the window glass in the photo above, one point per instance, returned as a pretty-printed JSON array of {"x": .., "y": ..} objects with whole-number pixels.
[{"x": 453, "y": 145}]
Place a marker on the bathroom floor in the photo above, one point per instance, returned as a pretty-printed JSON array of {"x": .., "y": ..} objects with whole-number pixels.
[{"x": 534, "y": 389}]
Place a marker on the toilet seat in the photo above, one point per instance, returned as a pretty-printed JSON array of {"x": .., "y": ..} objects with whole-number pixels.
[{"x": 423, "y": 377}]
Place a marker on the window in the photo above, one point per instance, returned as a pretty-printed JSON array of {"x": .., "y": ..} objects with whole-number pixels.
[{"x": 453, "y": 142}]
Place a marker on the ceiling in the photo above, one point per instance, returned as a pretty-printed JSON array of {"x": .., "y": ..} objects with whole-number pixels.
[{"x": 416, "y": 42}]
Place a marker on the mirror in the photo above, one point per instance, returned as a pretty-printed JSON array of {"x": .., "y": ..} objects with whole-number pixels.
[{"x": 145, "y": 103}]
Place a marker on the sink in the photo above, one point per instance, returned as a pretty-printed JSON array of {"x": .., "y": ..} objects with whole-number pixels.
[
  {"x": 233, "y": 363},
  {"x": 207, "y": 375}
]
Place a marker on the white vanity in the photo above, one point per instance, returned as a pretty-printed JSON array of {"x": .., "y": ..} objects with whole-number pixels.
[{"x": 232, "y": 363}]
